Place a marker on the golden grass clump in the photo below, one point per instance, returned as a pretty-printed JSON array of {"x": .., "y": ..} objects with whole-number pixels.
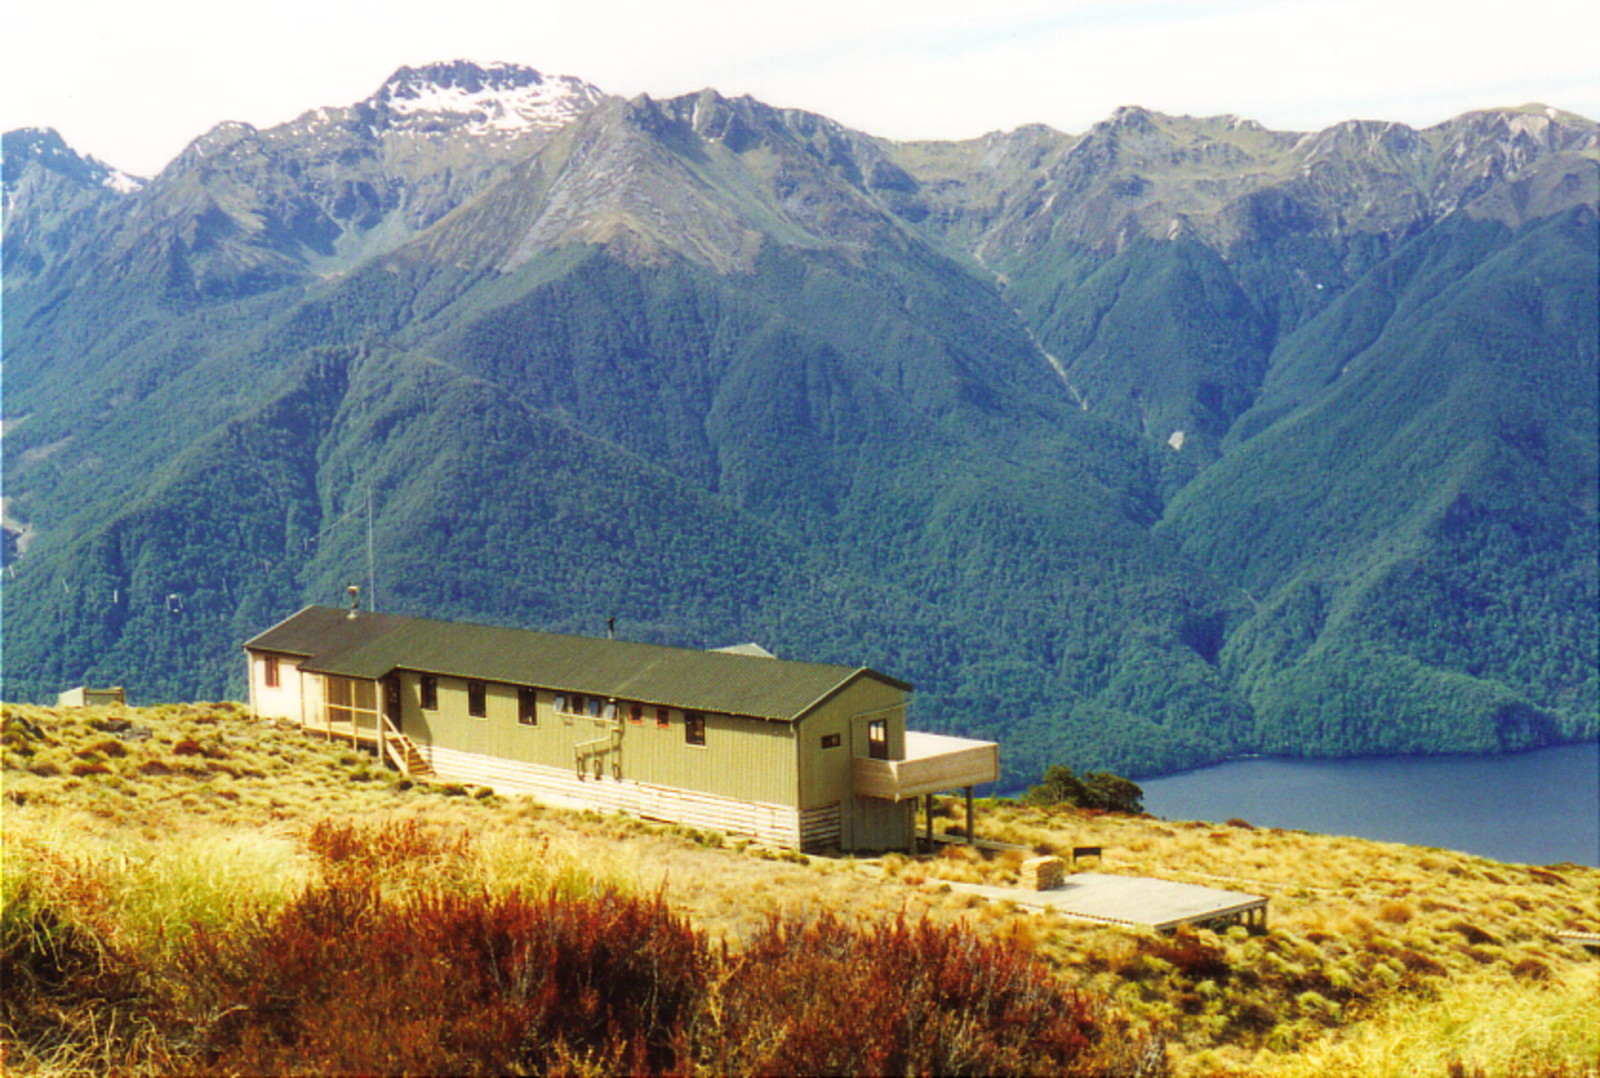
[{"x": 187, "y": 821}]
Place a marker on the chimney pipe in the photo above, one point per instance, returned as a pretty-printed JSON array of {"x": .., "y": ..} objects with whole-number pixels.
[{"x": 355, "y": 599}]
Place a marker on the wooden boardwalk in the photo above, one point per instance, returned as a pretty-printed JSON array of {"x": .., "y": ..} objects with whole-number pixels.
[
  {"x": 1589, "y": 941},
  {"x": 1136, "y": 900}
]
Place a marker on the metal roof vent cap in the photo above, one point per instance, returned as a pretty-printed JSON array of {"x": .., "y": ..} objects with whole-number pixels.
[{"x": 355, "y": 599}]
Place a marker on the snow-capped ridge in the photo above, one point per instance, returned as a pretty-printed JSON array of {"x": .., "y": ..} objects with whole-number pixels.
[
  {"x": 45, "y": 146},
  {"x": 483, "y": 98}
]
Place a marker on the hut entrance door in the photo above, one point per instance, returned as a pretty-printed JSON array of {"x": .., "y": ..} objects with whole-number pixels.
[{"x": 391, "y": 700}]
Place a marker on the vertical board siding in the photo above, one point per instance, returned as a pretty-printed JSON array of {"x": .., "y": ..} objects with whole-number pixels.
[
  {"x": 825, "y": 774},
  {"x": 772, "y": 824},
  {"x": 282, "y": 702},
  {"x": 883, "y": 825},
  {"x": 770, "y": 780},
  {"x": 745, "y": 759}
]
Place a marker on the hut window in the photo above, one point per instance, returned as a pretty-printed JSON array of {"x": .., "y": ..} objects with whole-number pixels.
[
  {"x": 636, "y": 713},
  {"x": 830, "y": 741},
  {"x": 663, "y": 719},
  {"x": 610, "y": 710},
  {"x": 269, "y": 671},
  {"x": 561, "y": 702},
  {"x": 477, "y": 699},
  {"x": 595, "y": 706},
  {"x": 528, "y": 706},
  {"x": 430, "y": 693},
  {"x": 878, "y": 739},
  {"x": 694, "y": 728}
]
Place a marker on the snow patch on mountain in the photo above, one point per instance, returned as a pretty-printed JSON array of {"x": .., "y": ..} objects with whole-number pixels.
[
  {"x": 122, "y": 183},
  {"x": 484, "y": 99},
  {"x": 45, "y": 147}
]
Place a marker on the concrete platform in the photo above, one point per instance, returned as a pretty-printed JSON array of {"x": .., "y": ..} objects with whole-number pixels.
[{"x": 1136, "y": 900}]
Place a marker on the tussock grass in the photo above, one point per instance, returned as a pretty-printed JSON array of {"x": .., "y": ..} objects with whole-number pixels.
[
  {"x": 221, "y": 894},
  {"x": 1373, "y": 947},
  {"x": 1491, "y": 1026},
  {"x": 190, "y": 824}
]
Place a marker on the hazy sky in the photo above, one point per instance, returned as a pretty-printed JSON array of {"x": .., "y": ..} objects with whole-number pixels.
[{"x": 133, "y": 81}]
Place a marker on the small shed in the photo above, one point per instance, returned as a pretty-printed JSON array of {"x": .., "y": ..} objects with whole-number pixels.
[{"x": 83, "y": 696}]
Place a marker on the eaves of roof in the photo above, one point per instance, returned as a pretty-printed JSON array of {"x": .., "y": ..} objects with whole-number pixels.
[{"x": 371, "y": 646}]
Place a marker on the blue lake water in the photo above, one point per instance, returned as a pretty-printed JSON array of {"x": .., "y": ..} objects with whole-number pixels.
[{"x": 1539, "y": 807}]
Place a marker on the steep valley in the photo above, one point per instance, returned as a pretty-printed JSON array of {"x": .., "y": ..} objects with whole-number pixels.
[{"x": 1141, "y": 448}]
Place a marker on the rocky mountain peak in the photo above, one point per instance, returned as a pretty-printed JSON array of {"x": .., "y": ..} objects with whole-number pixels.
[
  {"x": 44, "y": 147},
  {"x": 483, "y": 98}
]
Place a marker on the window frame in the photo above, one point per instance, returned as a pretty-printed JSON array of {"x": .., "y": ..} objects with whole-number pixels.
[
  {"x": 527, "y": 705},
  {"x": 477, "y": 699},
  {"x": 428, "y": 690},
  {"x": 663, "y": 718},
  {"x": 832, "y": 741},
  {"x": 694, "y": 729},
  {"x": 270, "y": 677}
]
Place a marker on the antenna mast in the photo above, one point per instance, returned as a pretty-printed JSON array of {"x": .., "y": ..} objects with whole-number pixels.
[{"x": 372, "y": 577}]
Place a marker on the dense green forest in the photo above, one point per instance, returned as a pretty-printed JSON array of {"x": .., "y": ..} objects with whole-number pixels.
[{"x": 1262, "y": 483}]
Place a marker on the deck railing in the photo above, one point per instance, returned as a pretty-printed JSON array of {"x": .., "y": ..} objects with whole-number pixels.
[{"x": 932, "y": 762}]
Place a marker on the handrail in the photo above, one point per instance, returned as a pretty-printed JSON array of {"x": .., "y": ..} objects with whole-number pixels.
[{"x": 399, "y": 744}]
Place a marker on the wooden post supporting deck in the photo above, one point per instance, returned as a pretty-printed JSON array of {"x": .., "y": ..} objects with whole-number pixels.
[
  {"x": 972, "y": 833},
  {"x": 927, "y": 810}
]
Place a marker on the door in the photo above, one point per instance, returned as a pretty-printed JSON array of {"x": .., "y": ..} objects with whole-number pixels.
[
  {"x": 878, "y": 739},
  {"x": 391, "y": 700}
]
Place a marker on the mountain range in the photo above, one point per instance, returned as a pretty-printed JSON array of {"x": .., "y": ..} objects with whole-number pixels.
[{"x": 1173, "y": 440}]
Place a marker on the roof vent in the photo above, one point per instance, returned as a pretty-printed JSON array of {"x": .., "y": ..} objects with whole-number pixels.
[
  {"x": 752, "y": 649},
  {"x": 355, "y": 599}
]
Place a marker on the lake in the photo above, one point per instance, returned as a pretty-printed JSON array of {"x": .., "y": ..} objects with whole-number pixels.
[{"x": 1539, "y": 807}]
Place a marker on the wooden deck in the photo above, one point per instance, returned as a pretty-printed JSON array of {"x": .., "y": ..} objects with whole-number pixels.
[
  {"x": 399, "y": 748},
  {"x": 343, "y": 731},
  {"x": 933, "y": 762},
  {"x": 1137, "y": 901}
]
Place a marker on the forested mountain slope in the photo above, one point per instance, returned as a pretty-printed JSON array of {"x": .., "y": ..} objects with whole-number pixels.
[{"x": 1174, "y": 440}]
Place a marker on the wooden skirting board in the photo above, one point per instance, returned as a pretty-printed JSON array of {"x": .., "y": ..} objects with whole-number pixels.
[{"x": 774, "y": 825}]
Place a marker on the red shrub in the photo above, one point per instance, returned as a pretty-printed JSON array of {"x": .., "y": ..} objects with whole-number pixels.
[
  {"x": 1190, "y": 955},
  {"x": 831, "y": 998},
  {"x": 344, "y": 981},
  {"x": 383, "y": 845}
]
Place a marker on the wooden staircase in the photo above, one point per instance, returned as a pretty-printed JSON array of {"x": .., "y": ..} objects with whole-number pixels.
[
  {"x": 403, "y": 752},
  {"x": 594, "y": 752}
]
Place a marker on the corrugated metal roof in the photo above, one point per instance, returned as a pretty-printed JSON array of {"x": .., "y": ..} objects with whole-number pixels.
[{"x": 371, "y": 645}]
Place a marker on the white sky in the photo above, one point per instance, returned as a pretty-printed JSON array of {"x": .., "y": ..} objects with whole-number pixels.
[{"x": 133, "y": 81}]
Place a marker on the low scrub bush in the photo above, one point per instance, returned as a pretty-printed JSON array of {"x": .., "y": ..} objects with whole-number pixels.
[
  {"x": 384, "y": 845},
  {"x": 344, "y": 980},
  {"x": 1099, "y": 790},
  {"x": 911, "y": 998},
  {"x": 1191, "y": 955},
  {"x": 60, "y": 982},
  {"x": 349, "y": 978}
]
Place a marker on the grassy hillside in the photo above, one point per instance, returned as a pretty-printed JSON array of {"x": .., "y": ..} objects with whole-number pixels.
[{"x": 190, "y": 890}]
